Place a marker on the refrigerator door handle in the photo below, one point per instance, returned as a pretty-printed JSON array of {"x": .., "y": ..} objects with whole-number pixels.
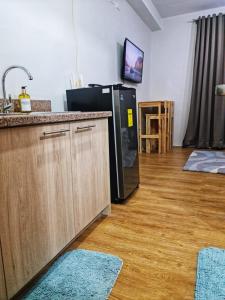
[{"x": 115, "y": 137}]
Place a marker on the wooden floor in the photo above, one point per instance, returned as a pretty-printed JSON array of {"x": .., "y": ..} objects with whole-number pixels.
[{"x": 160, "y": 230}]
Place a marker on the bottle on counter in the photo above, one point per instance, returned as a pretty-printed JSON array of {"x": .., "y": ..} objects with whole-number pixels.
[{"x": 24, "y": 100}]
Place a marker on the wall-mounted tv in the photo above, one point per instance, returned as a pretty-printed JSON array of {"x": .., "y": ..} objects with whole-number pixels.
[{"x": 133, "y": 58}]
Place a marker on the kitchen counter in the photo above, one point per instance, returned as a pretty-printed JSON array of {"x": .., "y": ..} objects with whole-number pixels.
[
  {"x": 36, "y": 118},
  {"x": 55, "y": 181}
]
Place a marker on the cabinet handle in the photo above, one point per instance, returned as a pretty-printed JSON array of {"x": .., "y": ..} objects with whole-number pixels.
[
  {"x": 61, "y": 131},
  {"x": 84, "y": 128}
]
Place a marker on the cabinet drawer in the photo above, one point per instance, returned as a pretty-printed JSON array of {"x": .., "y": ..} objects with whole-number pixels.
[
  {"x": 90, "y": 168},
  {"x": 36, "y": 212}
]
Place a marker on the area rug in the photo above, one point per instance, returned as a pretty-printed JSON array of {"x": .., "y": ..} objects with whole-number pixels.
[
  {"x": 210, "y": 284},
  {"x": 78, "y": 275},
  {"x": 206, "y": 161}
]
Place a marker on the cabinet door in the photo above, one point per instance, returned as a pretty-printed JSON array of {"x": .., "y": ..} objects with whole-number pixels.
[
  {"x": 36, "y": 212},
  {"x": 90, "y": 167},
  {"x": 2, "y": 279}
]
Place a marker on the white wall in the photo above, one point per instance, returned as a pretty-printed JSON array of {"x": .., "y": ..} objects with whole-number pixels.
[
  {"x": 53, "y": 41},
  {"x": 39, "y": 36},
  {"x": 172, "y": 56},
  {"x": 101, "y": 33}
]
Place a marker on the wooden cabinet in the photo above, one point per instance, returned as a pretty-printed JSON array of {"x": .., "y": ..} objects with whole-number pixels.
[
  {"x": 2, "y": 279},
  {"x": 90, "y": 166},
  {"x": 54, "y": 180},
  {"x": 36, "y": 212}
]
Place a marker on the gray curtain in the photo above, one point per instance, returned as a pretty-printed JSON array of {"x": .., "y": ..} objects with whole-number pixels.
[{"x": 206, "y": 124}]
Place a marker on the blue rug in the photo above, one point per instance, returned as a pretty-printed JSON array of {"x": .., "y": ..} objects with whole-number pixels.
[
  {"x": 78, "y": 275},
  {"x": 206, "y": 161},
  {"x": 210, "y": 283}
]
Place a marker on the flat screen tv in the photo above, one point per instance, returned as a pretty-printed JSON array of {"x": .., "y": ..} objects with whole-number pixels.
[{"x": 133, "y": 58}]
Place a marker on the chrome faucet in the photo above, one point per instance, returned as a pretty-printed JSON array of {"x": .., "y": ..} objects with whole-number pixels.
[{"x": 7, "y": 103}]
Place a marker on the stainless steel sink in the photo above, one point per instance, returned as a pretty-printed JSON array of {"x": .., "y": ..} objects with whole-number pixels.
[
  {"x": 25, "y": 114},
  {"x": 37, "y": 113},
  {"x": 9, "y": 114}
]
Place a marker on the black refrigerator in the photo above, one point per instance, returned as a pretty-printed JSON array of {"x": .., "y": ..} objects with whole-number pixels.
[{"x": 123, "y": 136}]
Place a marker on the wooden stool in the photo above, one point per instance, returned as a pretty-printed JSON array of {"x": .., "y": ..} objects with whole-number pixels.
[
  {"x": 154, "y": 135},
  {"x": 162, "y": 112},
  {"x": 157, "y": 105}
]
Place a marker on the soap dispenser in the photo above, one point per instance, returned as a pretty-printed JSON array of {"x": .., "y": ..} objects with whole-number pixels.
[{"x": 24, "y": 100}]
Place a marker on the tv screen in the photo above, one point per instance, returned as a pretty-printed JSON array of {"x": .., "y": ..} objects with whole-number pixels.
[{"x": 133, "y": 58}]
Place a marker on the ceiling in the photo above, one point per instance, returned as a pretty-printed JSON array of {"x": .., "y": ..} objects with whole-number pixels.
[{"x": 169, "y": 8}]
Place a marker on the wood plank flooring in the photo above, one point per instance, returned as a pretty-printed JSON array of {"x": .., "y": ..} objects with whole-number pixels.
[{"x": 160, "y": 230}]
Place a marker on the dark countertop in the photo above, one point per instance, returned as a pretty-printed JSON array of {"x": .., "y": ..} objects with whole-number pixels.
[{"x": 36, "y": 118}]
